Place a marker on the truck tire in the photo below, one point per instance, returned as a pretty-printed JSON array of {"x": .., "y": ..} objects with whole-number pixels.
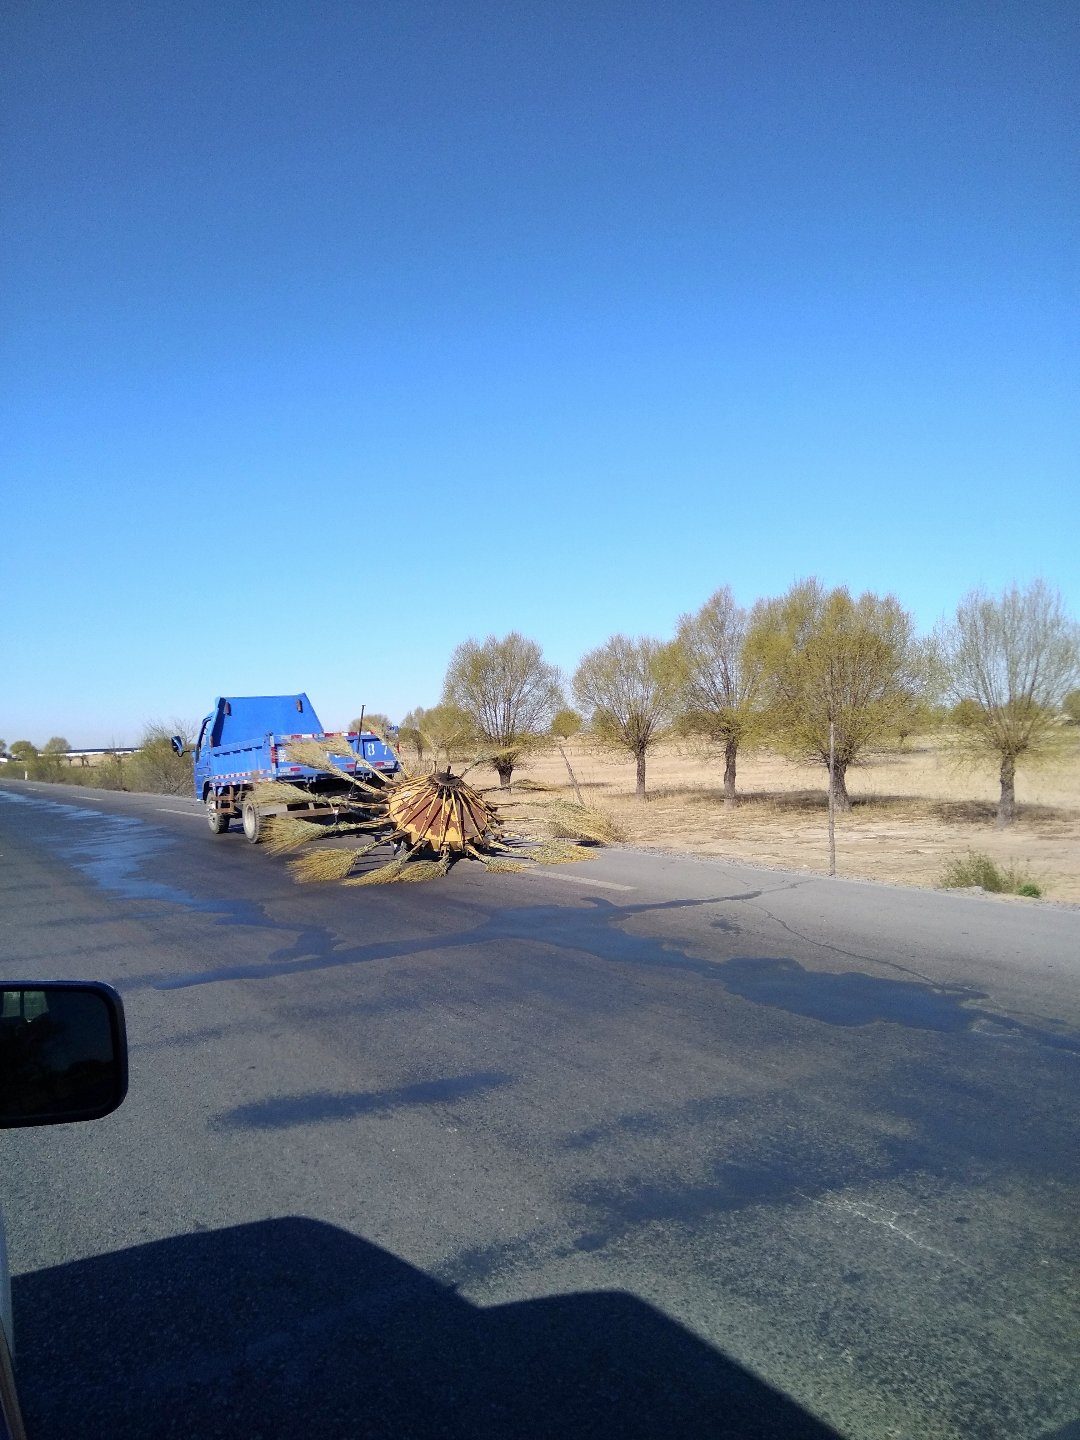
[
  {"x": 252, "y": 821},
  {"x": 218, "y": 823}
]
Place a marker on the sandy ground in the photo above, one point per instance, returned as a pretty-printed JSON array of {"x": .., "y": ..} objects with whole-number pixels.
[{"x": 913, "y": 812}]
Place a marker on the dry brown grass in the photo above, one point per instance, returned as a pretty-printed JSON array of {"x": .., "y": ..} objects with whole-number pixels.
[
  {"x": 569, "y": 821},
  {"x": 913, "y": 812}
]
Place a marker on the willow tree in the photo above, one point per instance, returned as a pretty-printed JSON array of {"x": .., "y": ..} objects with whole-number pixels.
[
  {"x": 718, "y": 681},
  {"x": 566, "y": 724},
  {"x": 411, "y": 731},
  {"x": 509, "y": 693},
  {"x": 376, "y": 722},
  {"x": 48, "y": 766},
  {"x": 1011, "y": 664},
  {"x": 628, "y": 687},
  {"x": 446, "y": 730},
  {"x": 834, "y": 668}
]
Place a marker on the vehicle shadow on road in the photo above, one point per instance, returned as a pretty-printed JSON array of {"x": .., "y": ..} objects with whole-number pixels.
[
  {"x": 292, "y": 1326},
  {"x": 596, "y": 928},
  {"x": 592, "y": 927}
]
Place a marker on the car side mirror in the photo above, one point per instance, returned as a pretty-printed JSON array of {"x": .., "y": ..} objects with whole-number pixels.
[
  {"x": 63, "y": 1052},
  {"x": 177, "y": 744}
]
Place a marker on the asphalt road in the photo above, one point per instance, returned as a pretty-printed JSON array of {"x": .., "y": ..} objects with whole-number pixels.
[{"x": 647, "y": 1147}]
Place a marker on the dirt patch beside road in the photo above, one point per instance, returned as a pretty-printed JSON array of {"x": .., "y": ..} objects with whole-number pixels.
[{"x": 913, "y": 812}]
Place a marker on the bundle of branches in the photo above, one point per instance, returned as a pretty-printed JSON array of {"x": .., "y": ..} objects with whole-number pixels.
[
  {"x": 430, "y": 821},
  {"x": 570, "y": 821}
]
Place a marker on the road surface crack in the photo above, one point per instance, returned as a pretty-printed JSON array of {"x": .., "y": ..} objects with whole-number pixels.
[
  {"x": 887, "y": 1219},
  {"x": 839, "y": 950}
]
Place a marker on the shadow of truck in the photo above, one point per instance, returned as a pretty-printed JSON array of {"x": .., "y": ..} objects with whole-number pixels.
[{"x": 293, "y": 1327}]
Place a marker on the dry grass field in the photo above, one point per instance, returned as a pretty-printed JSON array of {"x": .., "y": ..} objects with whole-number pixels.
[{"x": 912, "y": 814}]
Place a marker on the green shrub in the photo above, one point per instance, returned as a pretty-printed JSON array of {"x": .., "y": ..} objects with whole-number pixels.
[
  {"x": 155, "y": 768},
  {"x": 977, "y": 868}
]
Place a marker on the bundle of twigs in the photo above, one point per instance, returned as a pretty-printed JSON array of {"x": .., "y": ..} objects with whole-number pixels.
[
  {"x": 430, "y": 820},
  {"x": 569, "y": 821}
]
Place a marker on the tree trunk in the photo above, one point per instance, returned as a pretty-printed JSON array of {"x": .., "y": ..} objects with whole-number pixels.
[
  {"x": 505, "y": 769},
  {"x": 730, "y": 751},
  {"x": 1006, "y": 811},
  {"x": 641, "y": 777},
  {"x": 841, "y": 799}
]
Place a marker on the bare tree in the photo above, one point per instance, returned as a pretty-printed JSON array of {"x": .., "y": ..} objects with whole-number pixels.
[
  {"x": 156, "y": 767},
  {"x": 54, "y": 750},
  {"x": 508, "y": 691},
  {"x": 446, "y": 728},
  {"x": 828, "y": 660},
  {"x": 376, "y": 722},
  {"x": 718, "y": 680},
  {"x": 411, "y": 731},
  {"x": 26, "y": 753},
  {"x": 628, "y": 686},
  {"x": 566, "y": 724},
  {"x": 1011, "y": 661}
]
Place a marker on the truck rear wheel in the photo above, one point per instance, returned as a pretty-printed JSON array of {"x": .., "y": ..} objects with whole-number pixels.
[
  {"x": 252, "y": 821},
  {"x": 218, "y": 823}
]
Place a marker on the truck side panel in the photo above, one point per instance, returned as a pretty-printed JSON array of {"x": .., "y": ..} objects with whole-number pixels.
[{"x": 235, "y": 751}]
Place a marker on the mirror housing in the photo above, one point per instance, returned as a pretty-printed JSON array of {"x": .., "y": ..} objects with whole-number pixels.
[
  {"x": 63, "y": 1052},
  {"x": 177, "y": 744}
]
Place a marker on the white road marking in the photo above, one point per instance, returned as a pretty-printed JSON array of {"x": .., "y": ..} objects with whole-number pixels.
[
  {"x": 579, "y": 879},
  {"x": 191, "y": 814}
]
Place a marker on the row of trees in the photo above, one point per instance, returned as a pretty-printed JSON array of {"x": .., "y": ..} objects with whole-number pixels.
[
  {"x": 154, "y": 767},
  {"x": 816, "y": 674},
  {"x": 27, "y": 752}
]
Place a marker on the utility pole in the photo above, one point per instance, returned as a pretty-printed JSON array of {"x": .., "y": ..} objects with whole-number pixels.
[{"x": 833, "y": 817}]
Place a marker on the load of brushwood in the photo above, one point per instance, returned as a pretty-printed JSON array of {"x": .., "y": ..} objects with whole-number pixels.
[{"x": 429, "y": 821}]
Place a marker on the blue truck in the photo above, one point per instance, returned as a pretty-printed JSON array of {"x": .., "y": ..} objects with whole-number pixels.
[{"x": 246, "y": 739}]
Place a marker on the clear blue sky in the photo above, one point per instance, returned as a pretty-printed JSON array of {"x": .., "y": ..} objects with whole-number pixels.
[{"x": 334, "y": 334}]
